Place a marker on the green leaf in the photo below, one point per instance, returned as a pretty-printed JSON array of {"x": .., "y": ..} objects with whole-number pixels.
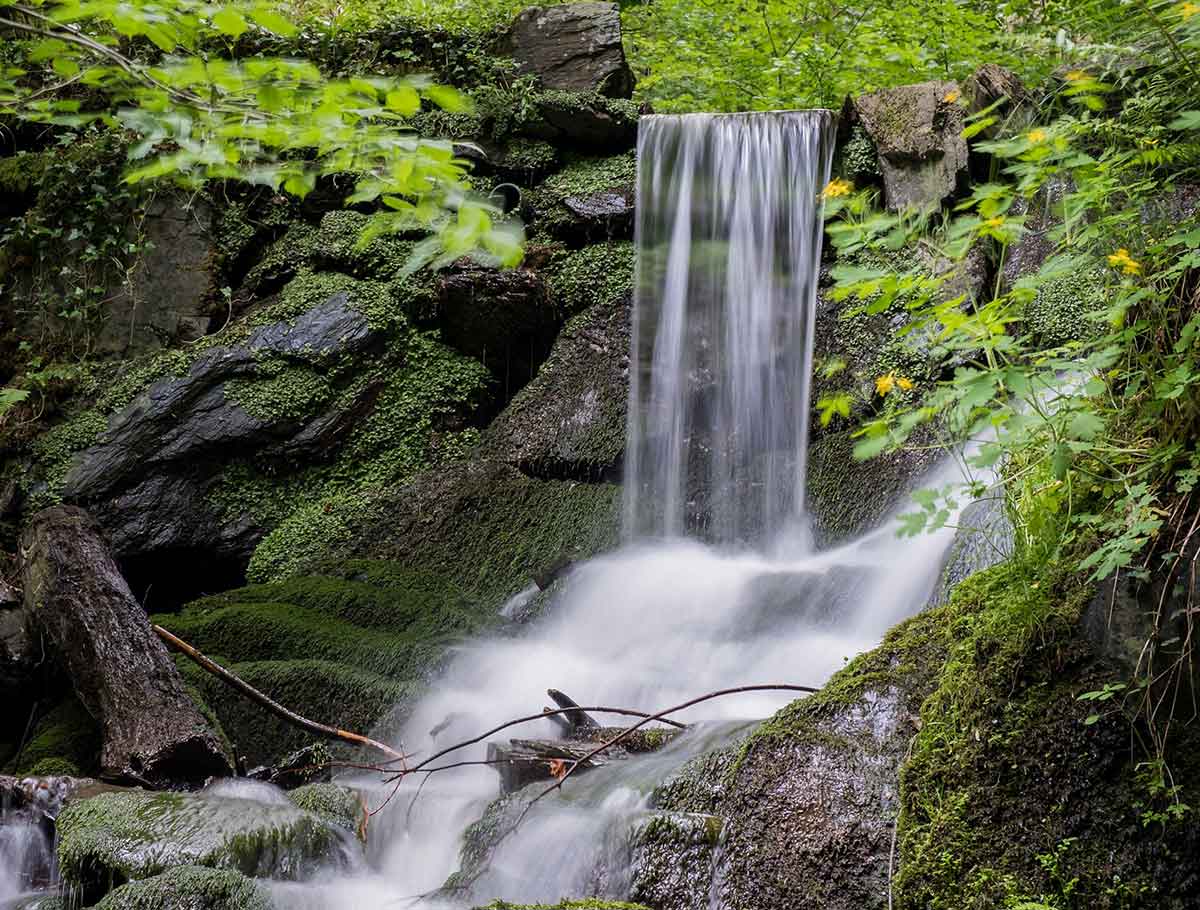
[
  {"x": 230, "y": 22},
  {"x": 267, "y": 17},
  {"x": 404, "y": 100}
]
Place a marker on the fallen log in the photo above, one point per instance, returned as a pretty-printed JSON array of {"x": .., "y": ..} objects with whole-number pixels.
[
  {"x": 523, "y": 761},
  {"x": 153, "y": 733}
]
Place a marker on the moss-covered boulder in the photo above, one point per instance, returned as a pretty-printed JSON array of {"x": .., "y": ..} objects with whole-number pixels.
[
  {"x": 481, "y": 525},
  {"x": 591, "y": 198},
  {"x": 189, "y": 888},
  {"x": 587, "y": 904},
  {"x": 114, "y": 838},
  {"x": 349, "y": 649},
  {"x": 64, "y": 741}
]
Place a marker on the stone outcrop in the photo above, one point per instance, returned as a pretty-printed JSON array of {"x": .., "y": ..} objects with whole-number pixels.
[
  {"x": 917, "y": 131},
  {"x": 570, "y": 420},
  {"x": 575, "y": 47},
  {"x": 153, "y": 733},
  {"x": 170, "y": 294},
  {"x": 147, "y": 476}
]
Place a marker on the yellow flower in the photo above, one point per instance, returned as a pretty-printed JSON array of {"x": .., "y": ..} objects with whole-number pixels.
[
  {"x": 1126, "y": 263},
  {"x": 1187, "y": 10},
  {"x": 837, "y": 187},
  {"x": 1036, "y": 136},
  {"x": 1077, "y": 75},
  {"x": 890, "y": 381},
  {"x": 997, "y": 222},
  {"x": 951, "y": 96}
]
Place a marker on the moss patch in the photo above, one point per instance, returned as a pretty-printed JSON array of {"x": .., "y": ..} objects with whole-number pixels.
[
  {"x": 599, "y": 273},
  {"x": 189, "y": 888}
]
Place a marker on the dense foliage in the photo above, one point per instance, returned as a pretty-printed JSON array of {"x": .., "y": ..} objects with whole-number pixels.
[{"x": 1091, "y": 422}]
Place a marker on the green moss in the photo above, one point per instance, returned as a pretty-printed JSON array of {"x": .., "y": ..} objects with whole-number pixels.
[
  {"x": 484, "y": 526},
  {"x": 1059, "y": 313},
  {"x": 281, "y": 391},
  {"x": 322, "y": 690},
  {"x": 65, "y": 741},
  {"x": 22, "y": 172},
  {"x": 116, "y": 837},
  {"x": 1002, "y": 747},
  {"x": 530, "y": 156},
  {"x": 336, "y": 805},
  {"x": 595, "y": 274},
  {"x": 189, "y": 888},
  {"x": 584, "y": 176},
  {"x": 857, "y": 159}
]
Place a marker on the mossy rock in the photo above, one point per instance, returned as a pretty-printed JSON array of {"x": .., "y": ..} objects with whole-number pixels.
[
  {"x": 587, "y": 904},
  {"x": 350, "y": 650},
  {"x": 117, "y": 837},
  {"x": 570, "y": 421},
  {"x": 483, "y": 526},
  {"x": 597, "y": 274},
  {"x": 847, "y": 497},
  {"x": 591, "y": 198},
  {"x": 334, "y": 804},
  {"x": 65, "y": 742},
  {"x": 189, "y": 888}
]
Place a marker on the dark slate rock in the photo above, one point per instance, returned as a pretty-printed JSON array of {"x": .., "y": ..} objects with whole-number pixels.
[
  {"x": 503, "y": 318},
  {"x": 917, "y": 131},
  {"x": 575, "y": 47},
  {"x": 147, "y": 476},
  {"x": 994, "y": 85},
  {"x": 570, "y": 420}
]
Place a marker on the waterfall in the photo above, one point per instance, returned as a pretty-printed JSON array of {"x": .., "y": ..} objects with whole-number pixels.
[
  {"x": 728, "y": 245},
  {"x": 702, "y": 596}
]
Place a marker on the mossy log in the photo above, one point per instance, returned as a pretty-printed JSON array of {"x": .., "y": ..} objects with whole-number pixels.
[{"x": 152, "y": 731}]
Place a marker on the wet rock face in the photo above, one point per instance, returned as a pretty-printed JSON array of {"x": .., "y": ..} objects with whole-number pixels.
[
  {"x": 252, "y": 829},
  {"x": 575, "y": 47},
  {"x": 917, "y": 130},
  {"x": 147, "y": 476},
  {"x": 170, "y": 295},
  {"x": 504, "y": 319},
  {"x": 801, "y": 813},
  {"x": 570, "y": 420},
  {"x": 190, "y": 888}
]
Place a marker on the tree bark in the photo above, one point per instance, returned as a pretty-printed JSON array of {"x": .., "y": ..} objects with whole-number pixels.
[{"x": 153, "y": 733}]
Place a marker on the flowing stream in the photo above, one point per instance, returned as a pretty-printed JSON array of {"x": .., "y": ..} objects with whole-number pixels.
[{"x": 717, "y": 585}]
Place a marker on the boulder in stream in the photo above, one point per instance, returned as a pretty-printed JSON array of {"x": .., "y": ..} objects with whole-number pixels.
[{"x": 252, "y": 829}]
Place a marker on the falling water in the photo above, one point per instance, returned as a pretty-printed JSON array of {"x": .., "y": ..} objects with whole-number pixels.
[
  {"x": 728, "y": 241},
  {"x": 702, "y": 596}
]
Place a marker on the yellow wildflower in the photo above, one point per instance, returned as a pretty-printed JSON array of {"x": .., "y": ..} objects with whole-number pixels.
[
  {"x": 951, "y": 96},
  {"x": 837, "y": 187},
  {"x": 997, "y": 222},
  {"x": 890, "y": 381},
  {"x": 1187, "y": 10},
  {"x": 1077, "y": 75},
  {"x": 1036, "y": 136},
  {"x": 1126, "y": 263}
]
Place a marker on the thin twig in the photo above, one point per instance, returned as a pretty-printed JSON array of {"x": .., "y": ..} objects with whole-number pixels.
[{"x": 274, "y": 707}]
